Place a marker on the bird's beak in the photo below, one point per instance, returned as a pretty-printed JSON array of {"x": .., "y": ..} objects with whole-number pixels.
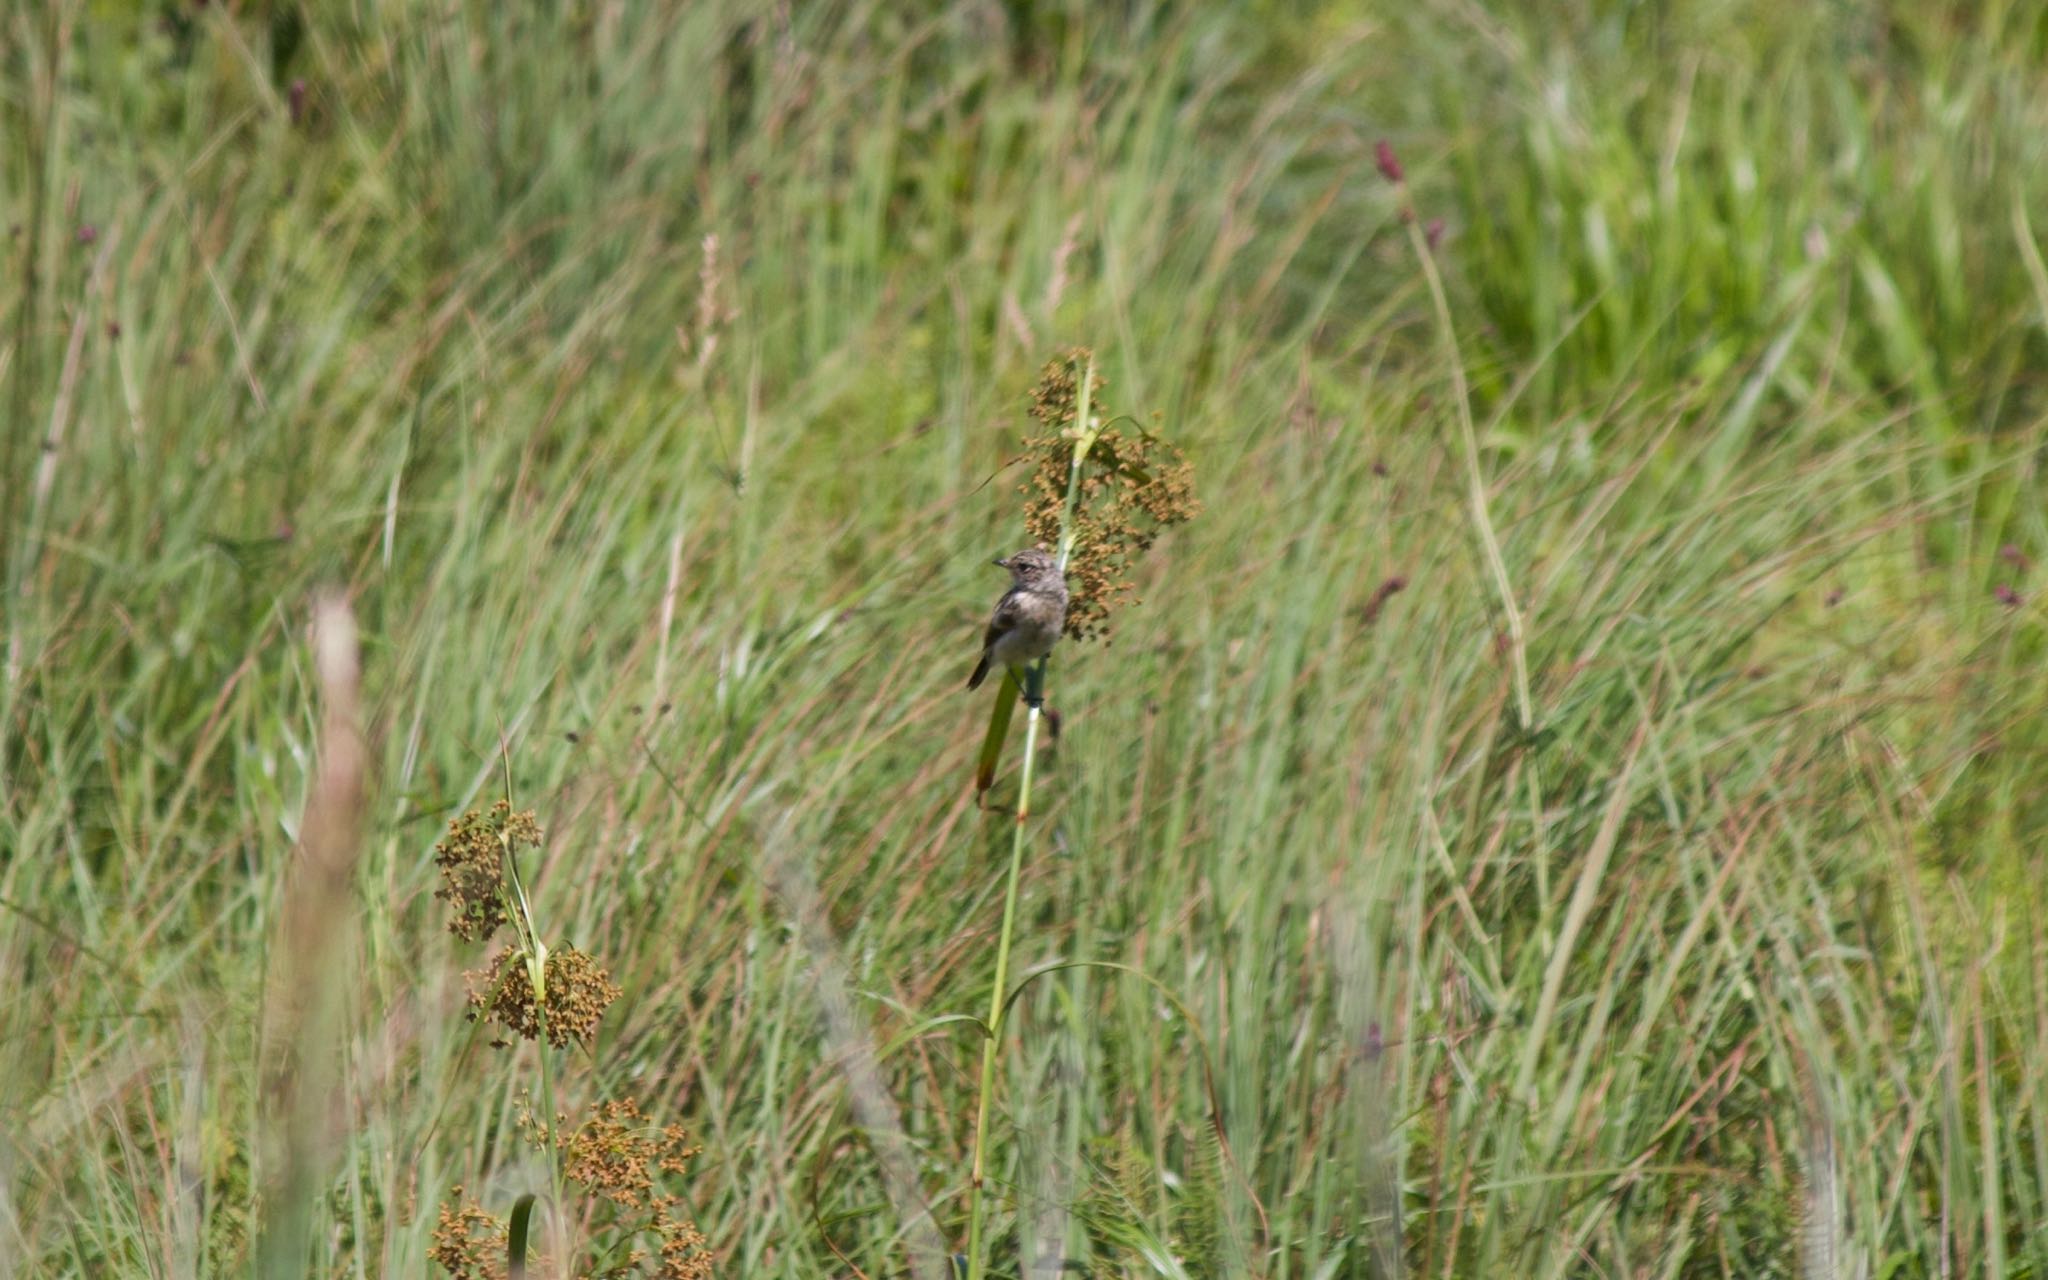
[{"x": 1000, "y": 564}]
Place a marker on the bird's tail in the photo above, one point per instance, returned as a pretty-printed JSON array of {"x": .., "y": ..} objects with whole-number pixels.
[{"x": 980, "y": 672}]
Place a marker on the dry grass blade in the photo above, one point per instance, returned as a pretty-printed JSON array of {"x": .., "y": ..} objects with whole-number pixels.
[{"x": 301, "y": 1022}]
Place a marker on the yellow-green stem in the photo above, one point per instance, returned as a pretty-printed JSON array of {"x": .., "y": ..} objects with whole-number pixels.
[{"x": 537, "y": 978}]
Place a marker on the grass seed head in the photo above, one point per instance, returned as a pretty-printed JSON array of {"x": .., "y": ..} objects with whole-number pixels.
[
  {"x": 685, "y": 1253},
  {"x": 471, "y": 859},
  {"x": 1133, "y": 485},
  {"x": 611, "y": 1155},
  {"x": 578, "y": 993},
  {"x": 469, "y": 1244},
  {"x": 617, "y": 1154}
]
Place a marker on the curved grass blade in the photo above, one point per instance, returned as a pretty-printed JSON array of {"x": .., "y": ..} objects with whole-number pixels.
[{"x": 516, "y": 1235}]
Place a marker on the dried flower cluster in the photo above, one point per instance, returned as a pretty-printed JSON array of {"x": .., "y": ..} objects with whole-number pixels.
[
  {"x": 471, "y": 859},
  {"x": 617, "y": 1152},
  {"x": 618, "y": 1155},
  {"x": 1132, "y": 486},
  {"x": 469, "y": 1244},
  {"x": 685, "y": 1253},
  {"x": 578, "y": 993}
]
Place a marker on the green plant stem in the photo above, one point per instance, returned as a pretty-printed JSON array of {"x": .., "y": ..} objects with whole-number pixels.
[
  {"x": 547, "y": 1102},
  {"x": 1489, "y": 542},
  {"x": 1034, "y": 692},
  {"x": 1034, "y": 698}
]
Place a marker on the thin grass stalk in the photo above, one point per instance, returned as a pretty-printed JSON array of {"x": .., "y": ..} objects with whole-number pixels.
[
  {"x": 1034, "y": 699},
  {"x": 1482, "y": 518},
  {"x": 1489, "y": 542}
]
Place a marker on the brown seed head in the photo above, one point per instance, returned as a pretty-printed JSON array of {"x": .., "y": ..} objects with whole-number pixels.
[
  {"x": 619, "y": 1156},
  {"x": 1132, "y": 486},
  {"x": 469, "y": 1244},
  {"x": 578, "y": 993},
  {"x": 618, "y": 1152},
  {"x": 611, "y": 1154},
  {"x": 685, "y": 1253},
  {"x": 472, "y": 862}
]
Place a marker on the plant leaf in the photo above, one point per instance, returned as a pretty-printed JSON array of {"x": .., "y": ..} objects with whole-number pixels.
[{"x": 998, "y": 728}]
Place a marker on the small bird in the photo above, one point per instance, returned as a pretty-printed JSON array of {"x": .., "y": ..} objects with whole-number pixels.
[{"x": 1028, "y": 618}]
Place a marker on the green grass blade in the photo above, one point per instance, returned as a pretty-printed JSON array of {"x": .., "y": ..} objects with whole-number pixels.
[
  {"x": 517, "y": 1232},
  {"x": 1000, "y": 713}
]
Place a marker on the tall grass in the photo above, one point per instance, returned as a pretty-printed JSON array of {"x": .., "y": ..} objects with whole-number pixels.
[{"x": 645, "y": 375}]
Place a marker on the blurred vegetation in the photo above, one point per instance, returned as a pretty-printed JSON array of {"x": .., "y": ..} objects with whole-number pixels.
[{"x": 647, "y": 373}]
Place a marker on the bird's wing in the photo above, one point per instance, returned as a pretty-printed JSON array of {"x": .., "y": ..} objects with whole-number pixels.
[{"x": 1008, "y": 610}]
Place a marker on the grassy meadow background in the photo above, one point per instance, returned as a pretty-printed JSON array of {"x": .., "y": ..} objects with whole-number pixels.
[{"x": 645, "y": 375}]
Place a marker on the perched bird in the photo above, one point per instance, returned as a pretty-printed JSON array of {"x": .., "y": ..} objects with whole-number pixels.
[{"x": 1029, "y": 616}]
